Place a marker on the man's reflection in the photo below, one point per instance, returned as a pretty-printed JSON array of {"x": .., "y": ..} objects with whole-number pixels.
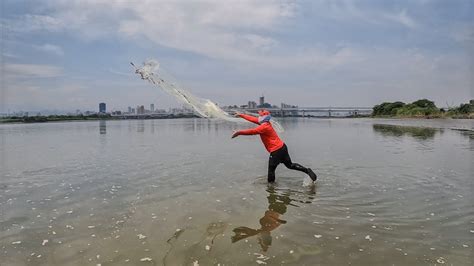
[{"x": 277, "y": 206}]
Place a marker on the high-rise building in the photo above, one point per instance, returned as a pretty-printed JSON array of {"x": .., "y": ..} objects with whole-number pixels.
[
  {"x": 262, "y": 100},
  {"x": 152, "y": 107},
  {"x": 140, "y": 110},
  {"x": 102, "y": 108},
  {"x": 252, "y": 105},
  {"x": 130, "y": 109}
]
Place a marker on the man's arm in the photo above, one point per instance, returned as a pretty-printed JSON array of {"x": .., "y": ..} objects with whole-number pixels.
[
  {"x": 249, "y": 118},
  {"x": 252, "y": 131}
]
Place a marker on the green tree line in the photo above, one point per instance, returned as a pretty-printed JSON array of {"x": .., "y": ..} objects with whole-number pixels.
[
  {"x": 51, "y": 118},
  {"x": 420, "y": 108}
]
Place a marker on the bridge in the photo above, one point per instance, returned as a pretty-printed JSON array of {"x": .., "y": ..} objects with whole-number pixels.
[
  {"x": 310, "y": 111},
  {"x": 279, "y": 112}
]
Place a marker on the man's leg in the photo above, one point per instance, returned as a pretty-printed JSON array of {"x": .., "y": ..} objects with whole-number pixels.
[
  {"x": 296, "y": 166},
  {"x": 272, "y": 165}
]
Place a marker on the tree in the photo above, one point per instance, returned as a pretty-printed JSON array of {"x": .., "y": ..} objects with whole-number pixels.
[
  {"x": 424, "y": 103},
  {"x": 466, "y": 108},
  {"x": 387, "y": 108}
]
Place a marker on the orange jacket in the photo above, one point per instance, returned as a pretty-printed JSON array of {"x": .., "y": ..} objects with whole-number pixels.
[{"x": 268, "y": 135}]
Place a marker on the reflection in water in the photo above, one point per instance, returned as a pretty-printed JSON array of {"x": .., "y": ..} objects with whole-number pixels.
[
  {"x": 174, "y": 254},
  {"x": 141, "y": 126},
  {"x": 421, "y": 133},
  {"x": 277, "y": 206},
  {"x": 102, "y": 127},
  {"x": 152, "y": 126},
  {"x": 205, "y": 125},
  {"x": 469, "y": 134}
]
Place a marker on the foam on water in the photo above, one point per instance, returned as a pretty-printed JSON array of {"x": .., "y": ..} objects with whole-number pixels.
[
  {"x": 152, "y": 72},
  {"x": 307, "y": 181}
]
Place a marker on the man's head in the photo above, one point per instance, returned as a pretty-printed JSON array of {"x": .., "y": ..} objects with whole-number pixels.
[
  {"x": 263, "y": 112},
  {"x": 264, "y": 116},
  {"x": 265, "y": 240}
]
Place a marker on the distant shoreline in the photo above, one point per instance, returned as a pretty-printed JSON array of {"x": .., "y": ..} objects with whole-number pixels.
[
  {"x": 77, "y": 118},
  {"x": 52, "y": 119}
]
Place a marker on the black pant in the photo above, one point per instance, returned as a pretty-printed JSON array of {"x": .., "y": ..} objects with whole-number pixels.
[{"x": 281, "y": 156}]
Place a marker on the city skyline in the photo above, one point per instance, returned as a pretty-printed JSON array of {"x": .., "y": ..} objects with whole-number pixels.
[
  {"x": 141, "y": 109},
  {"x": 72, "y": 55}
]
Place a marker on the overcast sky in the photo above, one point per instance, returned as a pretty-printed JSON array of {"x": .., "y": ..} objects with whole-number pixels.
[{"x": 68, "y": 54}]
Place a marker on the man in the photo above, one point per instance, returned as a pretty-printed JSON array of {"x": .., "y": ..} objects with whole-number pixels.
[{"x": 277, "y": 149}]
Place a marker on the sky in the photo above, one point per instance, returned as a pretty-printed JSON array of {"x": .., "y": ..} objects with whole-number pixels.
[{"x": 71, "y": 54}]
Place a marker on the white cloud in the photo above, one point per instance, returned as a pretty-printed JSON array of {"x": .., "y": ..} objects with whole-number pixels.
[
  {"x": 236, "y": 31},
  {"x": 15, "y": 71},
  {"x": 217, "y": 29},
  {"x": 403, "y": 18},
  {"x": 232, "y": 30},
  {"x": 27, "y": 95},
  {"x": 50, "y": 48},
  {"x": 350, "y": 11},
  {"x": 10, "y": 55},
  {"x": 464, "y": 34},
  {"x": 30, "y": 23}
]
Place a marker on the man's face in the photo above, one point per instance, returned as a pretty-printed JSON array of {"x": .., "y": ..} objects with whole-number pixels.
[{"x": 262, "y": 112}]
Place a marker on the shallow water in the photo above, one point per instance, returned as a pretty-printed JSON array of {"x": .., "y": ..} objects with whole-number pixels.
[{"x": 177, "y": 192}]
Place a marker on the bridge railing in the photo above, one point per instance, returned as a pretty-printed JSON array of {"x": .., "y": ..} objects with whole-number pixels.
[{"x": 303, "y": 111}]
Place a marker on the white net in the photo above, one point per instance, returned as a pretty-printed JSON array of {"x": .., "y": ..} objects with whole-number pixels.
[{"x": 152, "y": 72}]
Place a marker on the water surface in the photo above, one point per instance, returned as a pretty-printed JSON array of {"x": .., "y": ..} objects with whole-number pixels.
[{"x": 177, "y": 192}]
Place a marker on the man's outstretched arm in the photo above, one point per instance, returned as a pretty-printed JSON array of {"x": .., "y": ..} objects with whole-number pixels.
[
  {"x": 249, "y": 118},
  {"x": 252, "y": 131}
]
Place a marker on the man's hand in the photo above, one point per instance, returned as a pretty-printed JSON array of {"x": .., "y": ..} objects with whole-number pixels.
[
  {"x": 236, "y": 133},
  {"x": 237, "y": 114}
]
